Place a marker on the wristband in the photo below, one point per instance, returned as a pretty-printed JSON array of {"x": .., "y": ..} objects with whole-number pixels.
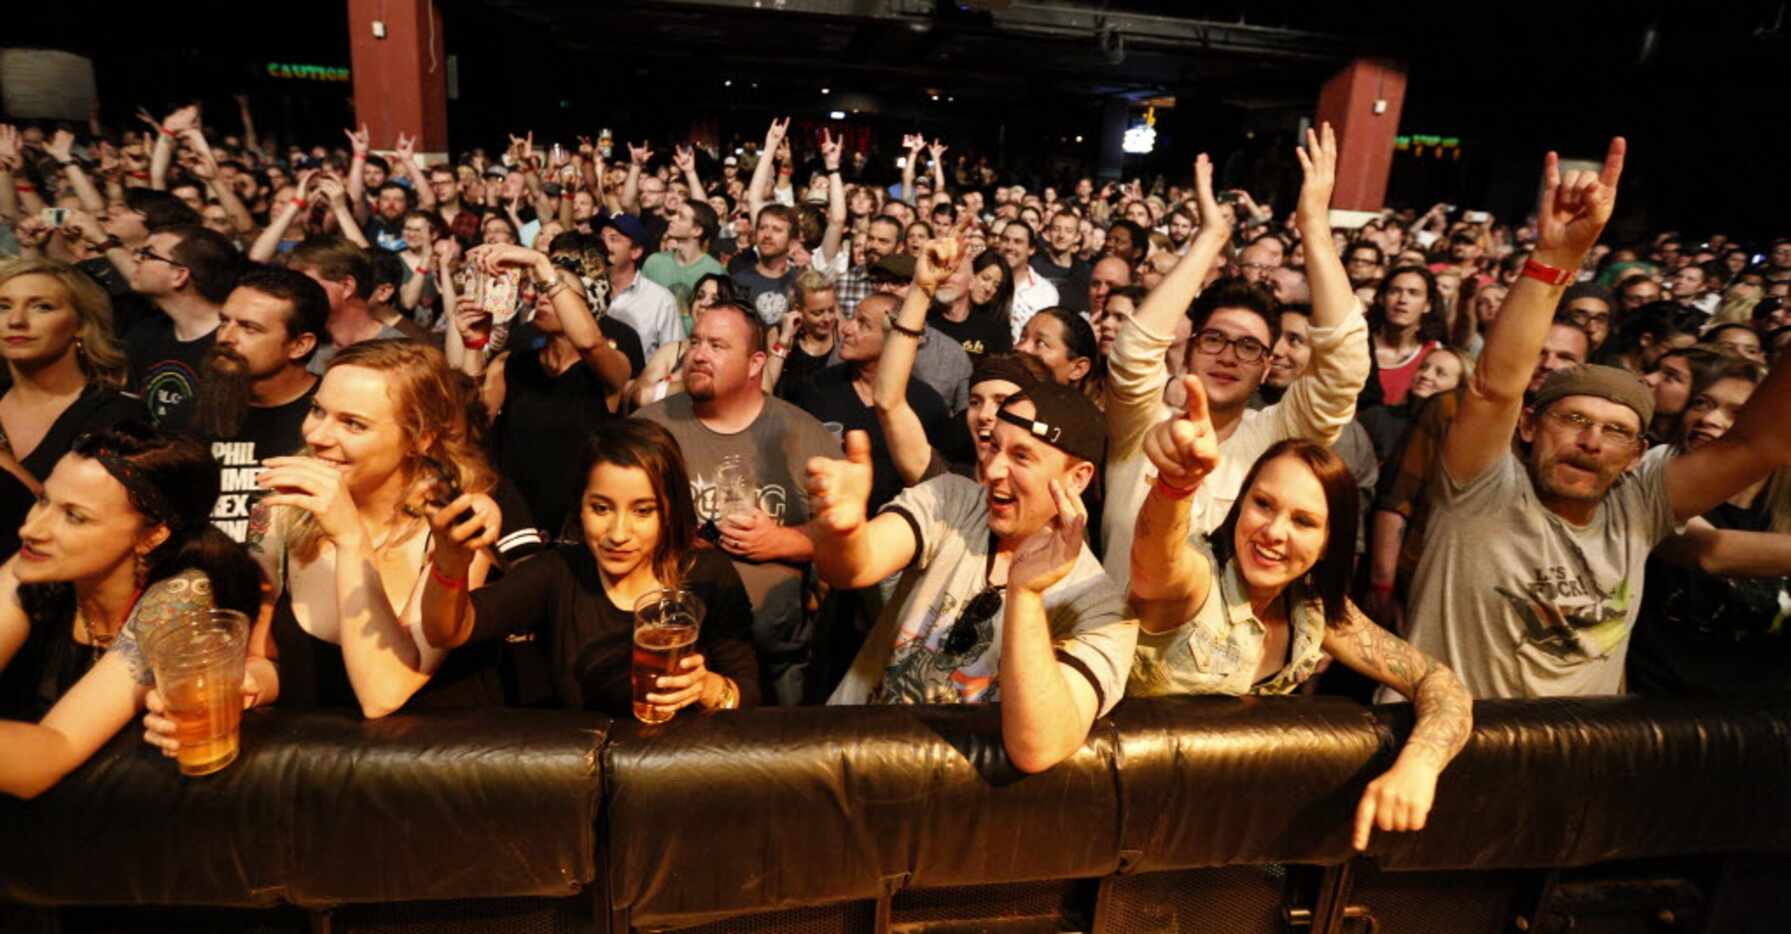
[
  {"x": 298, "y": 203},
  {"x": 779, "y": 349},
  {"x": 1543, "y": 272},
  {"x": 167, "y": 132},
  {"x": 1380, "y": 588},
  {"x": 423, "y": 270},
  {"x": 23, "y": 188},
  {"x": 452, "y": 583},
  {"x": 477, "y": 344},
  {"x": 916, "y": 333},
  {"x": 1172, "y": 491}
]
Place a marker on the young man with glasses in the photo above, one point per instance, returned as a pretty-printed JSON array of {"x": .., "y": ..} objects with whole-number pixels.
[
  {"x": 1235, "y": 325},
  {"x": 186, "y": 272},
  {"x": 1532, "y": 573}
]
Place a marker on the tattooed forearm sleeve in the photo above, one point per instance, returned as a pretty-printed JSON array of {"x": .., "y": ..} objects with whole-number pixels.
[{"x": 1444, "y": 706}]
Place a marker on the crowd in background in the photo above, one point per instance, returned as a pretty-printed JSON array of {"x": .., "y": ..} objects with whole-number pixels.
[{"x": 437, "y": 426}]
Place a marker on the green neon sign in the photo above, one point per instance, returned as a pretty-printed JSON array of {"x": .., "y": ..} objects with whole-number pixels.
[{"x": 306, "y": 72}]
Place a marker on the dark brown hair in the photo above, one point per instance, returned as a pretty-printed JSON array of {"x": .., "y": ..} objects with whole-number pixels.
[
  {"x": 648, "y": 446},
  {"x": 1330, "y": 576}
]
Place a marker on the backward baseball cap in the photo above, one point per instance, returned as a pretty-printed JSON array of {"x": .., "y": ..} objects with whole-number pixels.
[
  {"x": 1062, "y": 418},
  {"x": 1604, "y": 382}
]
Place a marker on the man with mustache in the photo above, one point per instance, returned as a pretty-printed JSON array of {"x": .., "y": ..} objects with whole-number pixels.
[
  {"x": 254, "y": 390},
  {"x": 1532, "y": 574}
]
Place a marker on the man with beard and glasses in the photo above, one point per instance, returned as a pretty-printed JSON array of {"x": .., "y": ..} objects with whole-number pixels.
[
  {"x": 254, "y": 390},
  {"x": 1532, "y": 575},
  {"x": 725, "y": 417},
  {"x": 186, "y": 272}
]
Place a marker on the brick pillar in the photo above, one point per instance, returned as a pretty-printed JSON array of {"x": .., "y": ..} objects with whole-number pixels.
[
  {"x": 400, "y": 81},
  {"x": 1362, "y": 102}
]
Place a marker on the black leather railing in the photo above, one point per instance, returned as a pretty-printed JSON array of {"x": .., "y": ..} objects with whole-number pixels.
[{"x": 733, "y": 814}]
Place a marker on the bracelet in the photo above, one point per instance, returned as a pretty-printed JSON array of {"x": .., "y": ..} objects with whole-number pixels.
[
  {"x": 916, "y": 333},
  {"x": 1380, "y": 588},
  {"x": 298, "y": 203},
  {"x": 1172, "y": 491},
  {"x": 452, "y": 583},
  {"x": 423, "y": 270},
  {"x": 167, "y": 132},
  {"x": 1543, "y": 272}
]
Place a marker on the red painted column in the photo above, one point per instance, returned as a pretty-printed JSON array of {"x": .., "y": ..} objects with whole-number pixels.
[
  {"x": 1362, "y": 103},
  {"x": 401, "y": 80}
]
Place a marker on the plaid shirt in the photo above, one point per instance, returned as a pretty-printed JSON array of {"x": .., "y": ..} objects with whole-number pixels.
[
  {"x": 1405, "y": 490},
  {"x": 853, "y": 287}
]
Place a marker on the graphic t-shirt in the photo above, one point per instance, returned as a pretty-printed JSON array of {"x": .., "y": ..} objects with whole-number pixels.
[
  {"x": 906, "y": 658},
  {"x": 1522, "y": 603},
  {"x": 979, "y": 334},
  {"x": 778, "y": 445},
  {"x": 275, "y": 431},
  {"x": 165, "y": 371},
  {"x": 679, "y": 279},
  {"x": 766, "y": 295}
]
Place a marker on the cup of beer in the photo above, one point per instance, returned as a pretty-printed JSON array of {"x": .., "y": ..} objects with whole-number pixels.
[
  {"x": 666, "y": 623},
  {"x": 198, "y": 663}
]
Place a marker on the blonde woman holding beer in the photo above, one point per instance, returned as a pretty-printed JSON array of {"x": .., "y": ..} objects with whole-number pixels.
[
  {"x": 119, "y": 543},
  {"x": 640, "y": 532},
  {"x": 345, "y": 534}
]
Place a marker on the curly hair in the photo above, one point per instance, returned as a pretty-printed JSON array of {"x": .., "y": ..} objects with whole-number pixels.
[{"x": 431, "y": 412}]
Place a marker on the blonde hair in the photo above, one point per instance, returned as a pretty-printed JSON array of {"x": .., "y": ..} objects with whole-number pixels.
[
  {"x": 96, "y": 348},
  {"x": 431, "y": 412}
]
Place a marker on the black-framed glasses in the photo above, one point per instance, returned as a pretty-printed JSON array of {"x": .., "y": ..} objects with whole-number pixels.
[
  {"x": 978, "y": 611},
  {"x": 144, "y": 254},
  {"x": 1213, "y": 343}
]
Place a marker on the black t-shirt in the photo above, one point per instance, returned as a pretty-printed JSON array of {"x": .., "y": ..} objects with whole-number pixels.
[
  {"x": 768, "y": 297},
  {"x": 128, "y": 308},
  {"x": 97, "y": 408},
  {"x": 1071, "y": 281},
  {"x": 558, "y": 596},
  {"x": 543, "y": 426},
  {"x": 829, "y": 397},
  {"x": 799, "y": 367},
  {"x": 384, "y": 234},
  {"x": 273, "y": 431},
  {"x": 627, "y": 339},
  {"x": 979, "y": 334},
  {"x": 165, "y": 371}
]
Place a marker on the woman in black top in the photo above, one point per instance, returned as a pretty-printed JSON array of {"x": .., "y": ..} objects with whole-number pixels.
[
  {"x": 63, "y": 377},
  {"x": 985, "y": 327},
  {"x": 120, "y": 542},
  {"x": 548, "y": 395},
  {"x": 640, "y": 536}
]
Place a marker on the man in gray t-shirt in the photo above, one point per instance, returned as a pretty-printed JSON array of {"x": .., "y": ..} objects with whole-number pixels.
[
  {"x": 1532, "y": 570},
  {"x": 723, "y": 413}
]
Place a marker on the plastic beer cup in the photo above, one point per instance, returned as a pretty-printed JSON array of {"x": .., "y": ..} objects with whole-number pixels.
[
  {"x": 666, "y": 623},
  {"x": 198, "y": 663}
]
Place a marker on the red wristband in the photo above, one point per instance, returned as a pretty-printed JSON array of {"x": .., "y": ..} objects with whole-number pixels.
[
  {"x": 23, "y": 187},
  {"x": 298, "y": 203},
  {"x": 452, "y": 583},
  {"x": 1543, "y": 272},
  {"x": 422, "y": 270},
  {"x": 1380, "y": 588},
  {"x": 167, "y": 132},
  {"x": 1172, "y": 491},
  {"x": 478, "y": 344}
]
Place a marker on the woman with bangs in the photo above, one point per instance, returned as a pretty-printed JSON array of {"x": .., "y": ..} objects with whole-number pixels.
[{"x": 1254, "y": 608}]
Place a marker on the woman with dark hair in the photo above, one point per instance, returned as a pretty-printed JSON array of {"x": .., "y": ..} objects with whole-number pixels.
[
  {"x": 640, "y": 532},
  {"x": 120, "y": 542},
  {"x": 1066, "y": 344},
  {"x": 1404, "y": 327},
  {"x": 972, "y": 305},
  {"x": 1255, "y": 608}
]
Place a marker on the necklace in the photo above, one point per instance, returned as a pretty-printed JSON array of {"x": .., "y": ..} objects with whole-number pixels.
[{"x": 103, "y": 641}]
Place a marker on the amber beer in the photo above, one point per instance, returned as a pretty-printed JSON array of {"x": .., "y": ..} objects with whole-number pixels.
[
  {"x": 666, "y": 623},
  {"x": 198, "y": 661}
]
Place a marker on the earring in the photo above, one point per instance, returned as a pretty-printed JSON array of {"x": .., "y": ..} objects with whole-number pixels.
[{"x": 81, "y": 351}]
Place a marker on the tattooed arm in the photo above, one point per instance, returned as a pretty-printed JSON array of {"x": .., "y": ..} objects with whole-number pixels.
[
  {"x": 1400, "y": 799},
  {"x": 35, "y": 756}
]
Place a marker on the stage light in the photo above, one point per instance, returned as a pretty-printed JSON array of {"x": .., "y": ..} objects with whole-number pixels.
[{"x": 837, "y": 115}]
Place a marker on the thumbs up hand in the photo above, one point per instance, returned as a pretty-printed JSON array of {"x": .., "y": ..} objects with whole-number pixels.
[{"x": 839, "y": 490}]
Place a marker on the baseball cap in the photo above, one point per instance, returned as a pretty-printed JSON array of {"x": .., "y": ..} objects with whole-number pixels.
[
  {"x": 898, "y": 266},
  {"x": 1604, "y": 382},
  {"x": 628, "y": 226},
  {"x": 730, "y": 161},
  {"x": 1063, "y": 417},
  {"x": 495, "y": 170}
]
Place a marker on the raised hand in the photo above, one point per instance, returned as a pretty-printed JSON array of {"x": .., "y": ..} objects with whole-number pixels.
[
  {"x": 205, "y": 166},
  {"x": 473, "y": 322},
  {"x": 937, "y": 151},
  {"x": 358, "y": 141},
  {"x": 404, "y": 147},
  {"x": 31, "y": 231},
  {"x": 938, "y": 260},
  {"x": 838, "y": 490},
  {"x": 331, "y": 188},
  {"x": 1574, "y": 209},
  {"x": 492, "y": 257},
  {"x": 914, "y": 142},
  {"x": 830, "y": 150},
  {"x": 1184, "y": 449},
  {"x": 146, "y": 117},
  {"x": 61, "y": 146},
  {"x": 1047, "y": 555},
  {"x": 774, "y": 134},
  {"x": 1210, "y": 216},
  {"x": 1318, "y": 159},
  {"x": 9, "y": 147},
  {"x": 586, "y": 148},
  {"x": 318, "y": 488},
  {"x": 639, "y": 154},
  {"x": 447, "y": 250},
  {"x": 462, "y": 527},
  {"x": 182, "y": 120},
  {"x": 683, "y": 159}
]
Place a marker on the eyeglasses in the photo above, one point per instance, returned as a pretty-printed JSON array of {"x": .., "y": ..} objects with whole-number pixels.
[
  {"x": 144, "y": 254},
  {"x": 978, "y": 611},
  {"x": 1579, "y": 424},
  {"x": 1213, "y": 343},
  {"x": 1584, "y": 318},
  {"x": 1255, "y": 267}
]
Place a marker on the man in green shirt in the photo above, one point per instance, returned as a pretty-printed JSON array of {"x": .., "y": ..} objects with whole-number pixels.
[{"x": 691, "y": 230}]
